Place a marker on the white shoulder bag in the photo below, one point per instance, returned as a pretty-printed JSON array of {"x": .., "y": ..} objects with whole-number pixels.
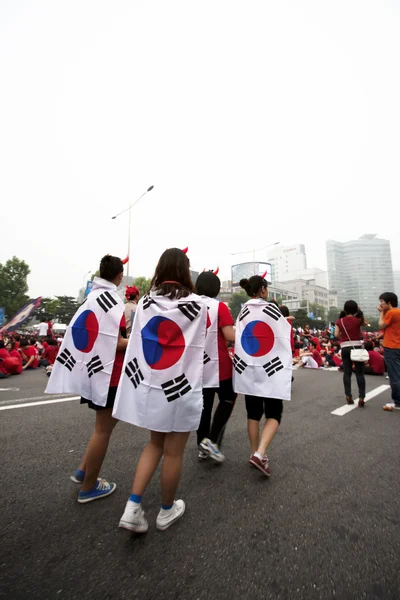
[{"x": 356, "y": 354}]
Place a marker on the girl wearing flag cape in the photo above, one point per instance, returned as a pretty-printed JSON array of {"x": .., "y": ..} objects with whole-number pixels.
[
  {"x": 89, "y": 363},
  {"x": 161, "y": 385},
  {"x": 217, "y": 375},
  {"x": 262, "y": 366}
]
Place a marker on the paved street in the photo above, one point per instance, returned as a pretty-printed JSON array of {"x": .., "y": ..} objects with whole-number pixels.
[{"x": 325, "y": 525}]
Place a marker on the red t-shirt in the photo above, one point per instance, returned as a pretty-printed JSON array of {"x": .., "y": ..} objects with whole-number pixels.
[
  {"x": 353, "y": 327},
  {"x": 50, "y": 354},
  {"x": 376, "y": 362},
  {"x": 3, "y": 354},
  {"x": 32, "y": 351},
  {"x": 119, "y": 357},
  {"x": 317, "y": 357},
  {"x": 225, "y": 361}
]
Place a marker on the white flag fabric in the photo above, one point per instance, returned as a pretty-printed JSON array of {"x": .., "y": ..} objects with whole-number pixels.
[
  {"x": 263, "y": 355},
  {"x": 211, "y": 364},
  {"x": 86, "y": 358},
  {"x": 161, "y": 384}
]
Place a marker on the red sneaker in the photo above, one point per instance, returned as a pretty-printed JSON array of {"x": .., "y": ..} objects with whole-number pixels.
[{"x": 262, "y": 464}]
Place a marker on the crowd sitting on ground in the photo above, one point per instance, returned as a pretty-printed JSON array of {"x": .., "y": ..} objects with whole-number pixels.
[{"x": 18, "y": 353}]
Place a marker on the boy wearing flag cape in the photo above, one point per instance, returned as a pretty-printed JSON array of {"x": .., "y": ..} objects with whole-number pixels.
[
  {"x": 161, "y": 384},
  {"x": 262, "y": 366},
  {"x": 89, "y": 363},
  {"x": 217, "y": 374}
]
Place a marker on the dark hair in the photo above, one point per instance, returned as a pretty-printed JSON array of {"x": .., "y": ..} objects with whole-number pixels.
[
  {"x": 172, "y": 266},
  {"x": 24, "y": 343},
  {"x": 368, "y": 346},
  {"x": 351, "y": 308},
  {"x": 285, "y": 311},
  {"x": 208, "y": 284},
  {"x": 390, "y": 298},
  {"x": 17, "y": 338},
  {"x": 253, "y": 285},
  {"x": 32, "y": 341},
  {"x": 312, "y": 342},
  {"x": 110, "y": 267},
  {"x": 1, "y": 344}
]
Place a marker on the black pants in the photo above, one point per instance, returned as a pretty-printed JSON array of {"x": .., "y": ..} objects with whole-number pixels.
[
  {"x": 347, "y": 373},
  {"x": 227, "y": 398}
]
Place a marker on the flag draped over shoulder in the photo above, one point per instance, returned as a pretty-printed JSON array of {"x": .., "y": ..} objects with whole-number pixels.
[
  {"x": 263, "y": 356},
  {"x": 211, "y": 364},
  {"x": 161, "y": 384},
  {"x": 86, "y": 358}
]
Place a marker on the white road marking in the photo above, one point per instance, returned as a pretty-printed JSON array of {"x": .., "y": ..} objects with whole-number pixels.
[
  {"x": 346, "y": 408},
  {"x": 26, "y": 404},
  {"x": 9, "y": 389}
]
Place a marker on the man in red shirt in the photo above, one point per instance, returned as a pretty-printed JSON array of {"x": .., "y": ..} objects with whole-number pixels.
[
  {"x": 311, "y": 359},
  {"x": 30, "y": 354},
  {"x": 50, "y": 353},
  {"x": 376, "y": 364}
]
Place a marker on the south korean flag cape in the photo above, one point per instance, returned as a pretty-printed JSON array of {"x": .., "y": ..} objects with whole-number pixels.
[
  {"x": 211, "y": 364},
  {"x": 161, "y": 384},
  {"x": 263, "y": 356},
  {"x": 86, "y": 358}
]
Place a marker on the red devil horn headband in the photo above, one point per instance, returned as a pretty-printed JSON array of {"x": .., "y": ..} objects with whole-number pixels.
[
  {"x": 184, "y": 250},
  {"x": 125, "y": 260},
  {"x": 216, "y": 271},
  {"x": 263, "y": 275}
]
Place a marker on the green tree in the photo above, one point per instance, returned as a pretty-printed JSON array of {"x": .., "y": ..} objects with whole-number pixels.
[
  {"x": 143, "y": 283},
  {"x": 48, "y": 309},
  {"x": 333, "y": 314},
  {"x": 301, "y": 318},
  {"x": 66, "y": 309},
  {"x": 13, "y": 285},
  {"x": 236, "y": 302}
]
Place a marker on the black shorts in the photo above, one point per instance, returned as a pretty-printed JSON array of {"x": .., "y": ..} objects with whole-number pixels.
[
  {"x": 112, "y": 392},
  {"x": 256, "y": 406}
]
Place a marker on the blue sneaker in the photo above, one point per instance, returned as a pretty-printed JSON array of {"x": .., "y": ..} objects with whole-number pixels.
[
  {"x": 101, "y": 490},
  {"x": 78, "y": 476},
  {"x": 212, "y": 450}
]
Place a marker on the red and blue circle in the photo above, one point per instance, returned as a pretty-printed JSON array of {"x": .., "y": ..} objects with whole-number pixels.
[
  {"x": 85, "y": 331},
  {"x": 257, "y": 338},
  {"x": 163, "y": 343}
]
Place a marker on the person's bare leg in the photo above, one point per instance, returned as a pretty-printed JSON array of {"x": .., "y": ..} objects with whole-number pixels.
[
  {"x": 174, "y": 447},
  {"x": 253, "y": 429},
  {"x": 97, "y": 448},
  {"x": 148, "y": 462},
  {"x": 267, "y": 435}
]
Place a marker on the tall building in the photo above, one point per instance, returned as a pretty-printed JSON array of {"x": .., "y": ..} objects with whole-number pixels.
[
  {"x": 247, "y": 269},
  {"x": 396, "y": 277},
  {"x": 287, "y": 262},
  {"x": 360, "y": 270}
]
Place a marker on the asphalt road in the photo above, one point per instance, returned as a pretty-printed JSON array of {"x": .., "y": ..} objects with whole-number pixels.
[{"x": 325, "y": 525}]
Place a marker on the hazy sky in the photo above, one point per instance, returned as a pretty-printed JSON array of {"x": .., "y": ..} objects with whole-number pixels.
[{"x": 257, "y": 122}]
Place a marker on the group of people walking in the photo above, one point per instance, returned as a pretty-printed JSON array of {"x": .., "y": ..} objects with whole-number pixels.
[
  {"x": 164, "y": 372},
  {"x": 158, "y": 363}
]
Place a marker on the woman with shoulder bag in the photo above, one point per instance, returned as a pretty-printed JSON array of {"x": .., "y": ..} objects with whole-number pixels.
[{"x": 348, "y": 331}]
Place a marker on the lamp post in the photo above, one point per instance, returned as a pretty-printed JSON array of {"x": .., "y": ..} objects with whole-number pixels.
[
  {"x": 84, "y": 278},
  {"x": 129, "y": 222}
]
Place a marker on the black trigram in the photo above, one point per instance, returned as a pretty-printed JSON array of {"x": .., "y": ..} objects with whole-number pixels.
[
  {"x": 133, "y": 372},
  {"x": 272, "y": 311},
  {"x": 106, "y": 301},
  {"x": 94, "y": 366},
  {"x": 147, "y": 301},
  {"x": 273, "y": 367},
  {"x": 189, "y": 309},
  {"x": 176, "y": 387},
  {"x": 244, "y": 313},
  {"x": 206, "y": 358},
  {"x": 238, "y": 364},
  {"x": 67, "y": 359}
]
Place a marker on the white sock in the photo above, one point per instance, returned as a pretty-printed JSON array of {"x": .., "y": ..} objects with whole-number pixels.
[{"x": 259, "y": 455}]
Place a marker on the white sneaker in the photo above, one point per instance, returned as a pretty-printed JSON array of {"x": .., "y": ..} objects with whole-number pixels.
[
  {"x": 212, "y": 450},
  {"x": 133, "y": 518},
  {"x": 202, "y": 455},
  {"x": 167, "y": 517}
]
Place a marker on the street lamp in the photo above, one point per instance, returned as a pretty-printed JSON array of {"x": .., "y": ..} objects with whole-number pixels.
[
  {"x": 254, "y": 253},
  {"x": 129, "y": 225},
  {"x": 84, "y": 278}
]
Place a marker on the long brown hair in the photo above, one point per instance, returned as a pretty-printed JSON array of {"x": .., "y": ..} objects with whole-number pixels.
[{"x": 172, "y": 267}]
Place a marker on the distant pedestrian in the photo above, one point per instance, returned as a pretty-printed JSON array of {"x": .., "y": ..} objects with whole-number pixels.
[
  {"x": 348, "y": 330},
  {"x": 132, "y": 295},
  {"x": 43, "y": 327},
  {"x": 389, "y": 322}
]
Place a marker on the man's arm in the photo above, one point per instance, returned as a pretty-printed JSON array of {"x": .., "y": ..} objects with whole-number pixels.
[{"x": 381, "y": 323}]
